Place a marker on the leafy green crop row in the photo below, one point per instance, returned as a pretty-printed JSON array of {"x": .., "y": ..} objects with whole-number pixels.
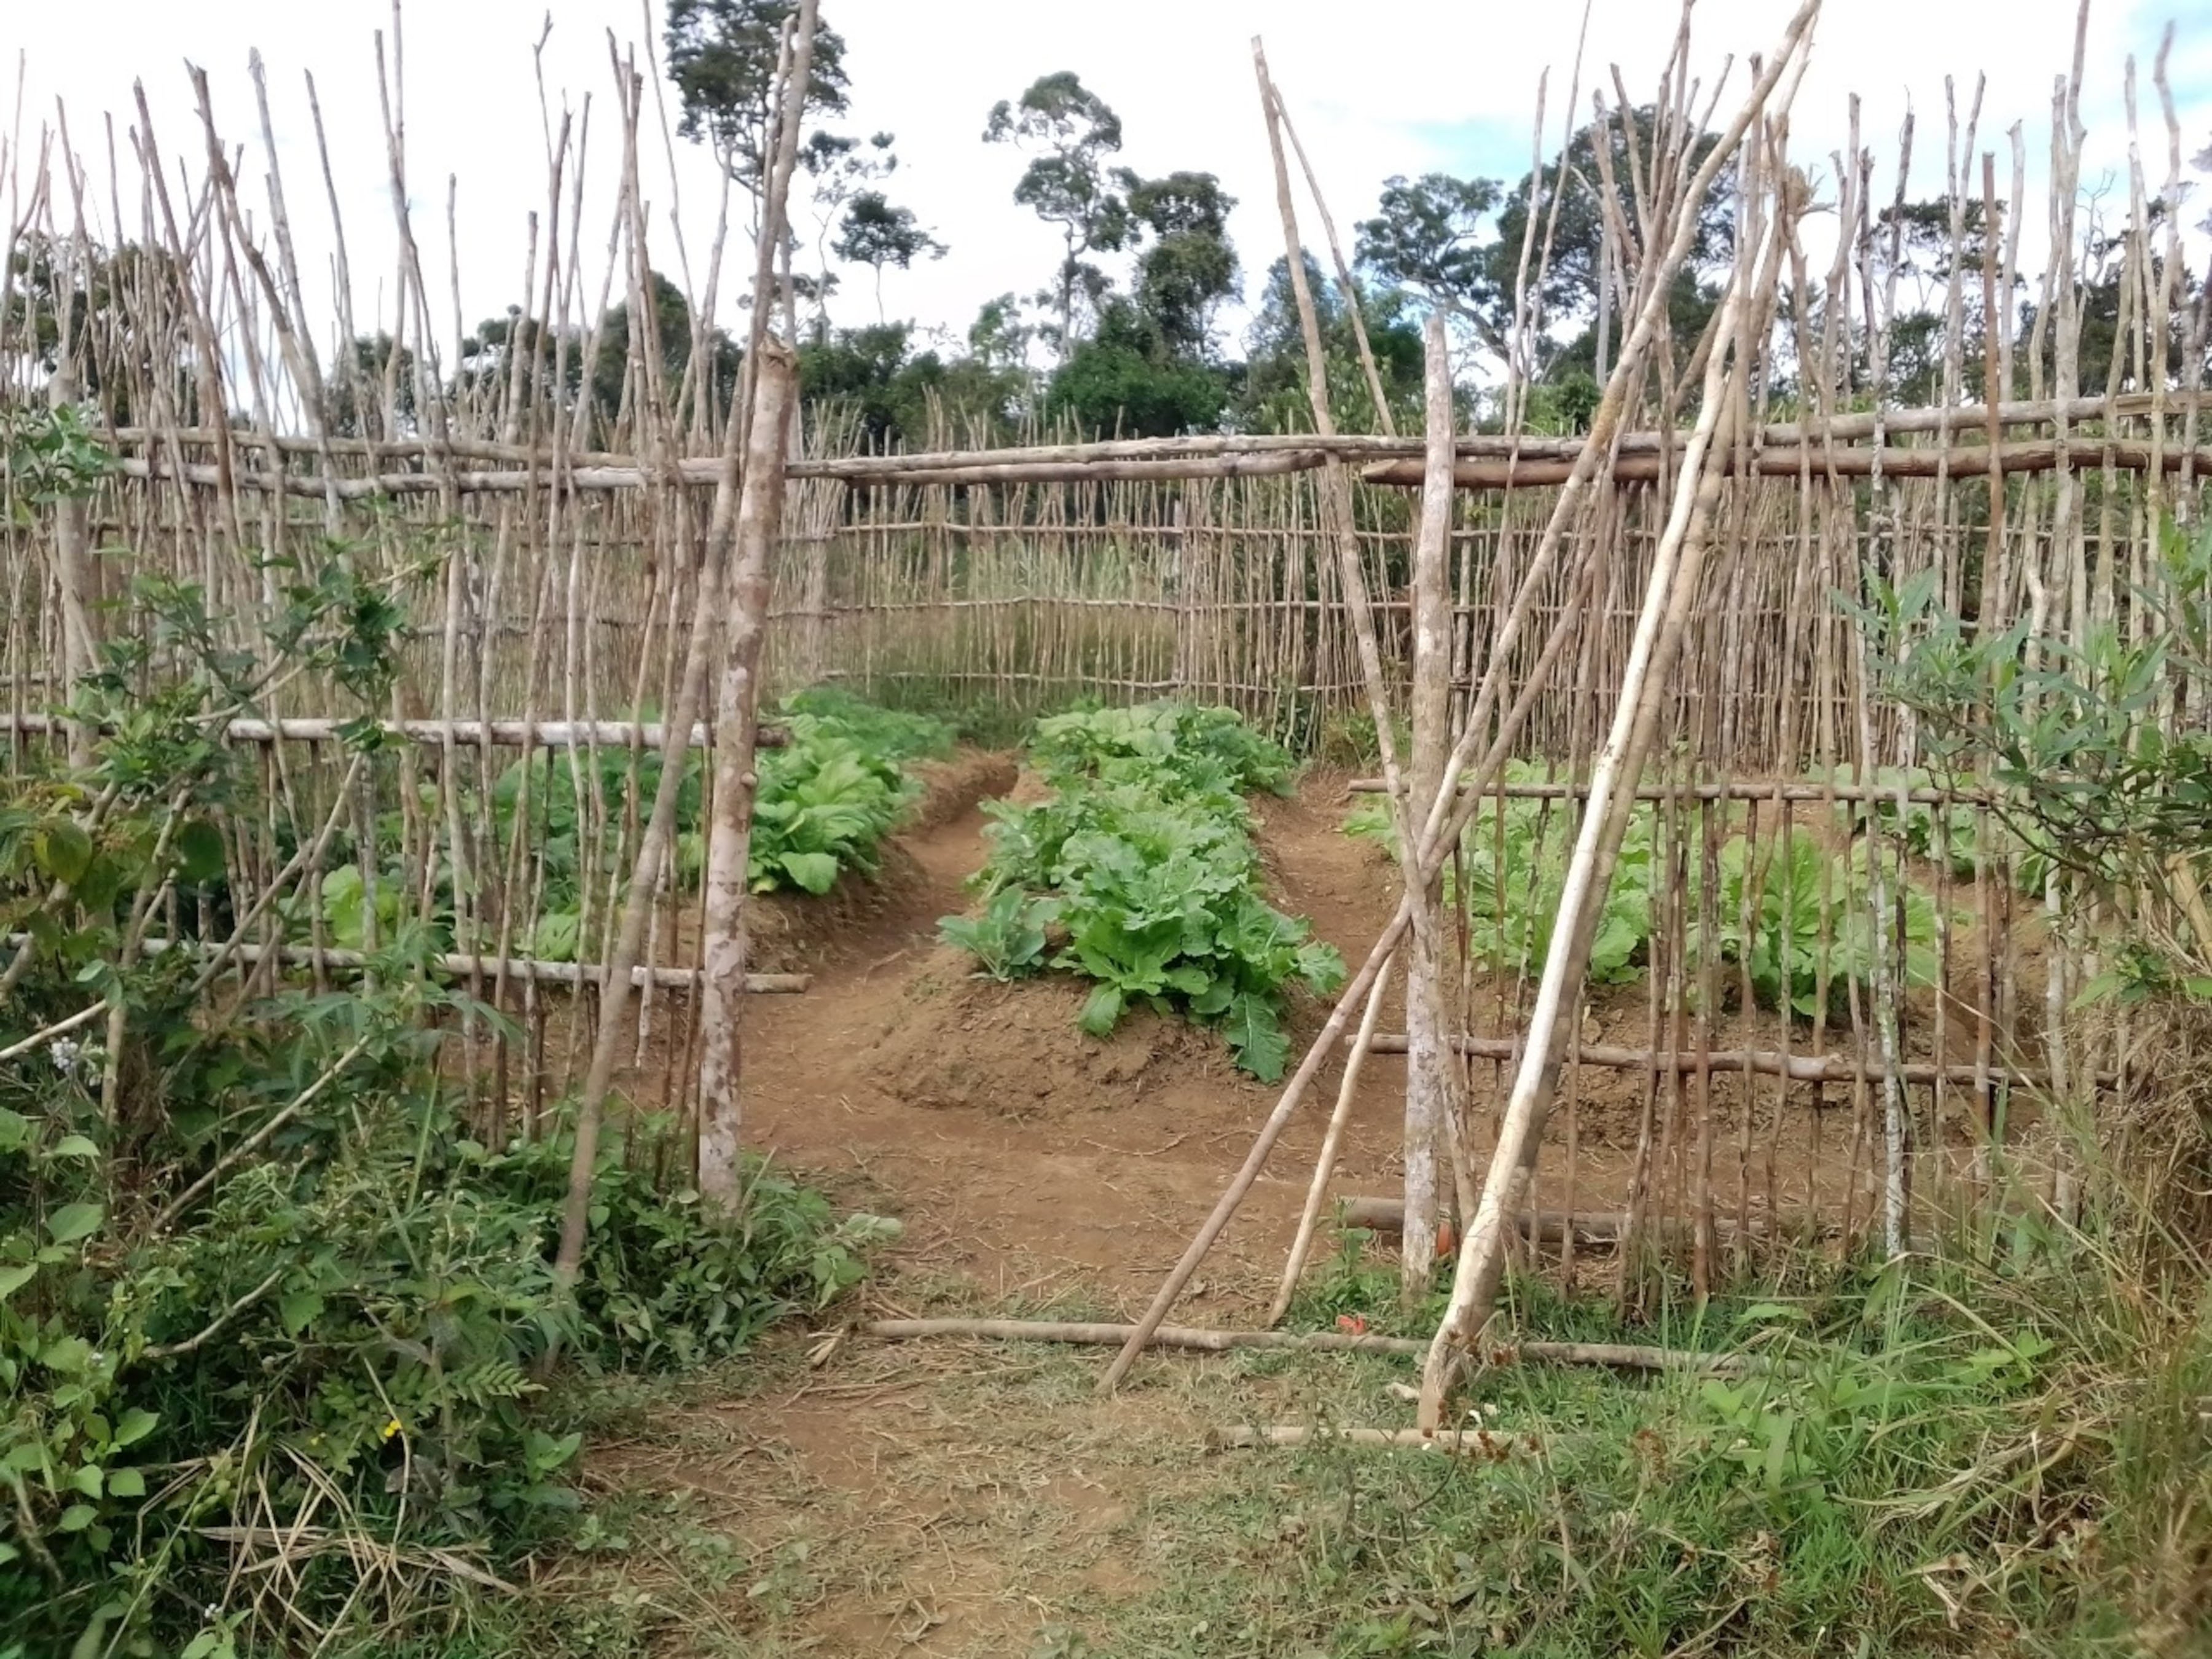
[
  {"x": 827, "y": 800},
  {"x": 1140, "y": 873},
  {"x": 1514, "y": 859}
]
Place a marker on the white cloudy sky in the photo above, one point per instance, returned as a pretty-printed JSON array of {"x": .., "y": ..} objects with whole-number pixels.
[{"x": 1391, "y": 87}]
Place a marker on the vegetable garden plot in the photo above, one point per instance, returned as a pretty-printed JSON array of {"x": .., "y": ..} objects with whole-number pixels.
[{"x": 1140, "y": 873}]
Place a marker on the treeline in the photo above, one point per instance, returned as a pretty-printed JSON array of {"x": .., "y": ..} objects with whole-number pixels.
[{"x": 1123, "y": 334}]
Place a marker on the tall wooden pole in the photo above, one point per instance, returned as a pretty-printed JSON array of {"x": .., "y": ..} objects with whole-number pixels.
[
  {"x": 1676, "y": 567},
  {"x": 659, "y": 830},
  {"x": 1431, "y": 1068},
  {"x": 737, "y": 726}
]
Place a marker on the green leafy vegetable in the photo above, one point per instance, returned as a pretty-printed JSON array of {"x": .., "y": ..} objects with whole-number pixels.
[{"x": 1146, "y": 851}]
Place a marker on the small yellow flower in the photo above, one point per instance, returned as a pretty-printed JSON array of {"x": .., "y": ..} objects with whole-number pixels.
[{"x": 391, "y": 1428}]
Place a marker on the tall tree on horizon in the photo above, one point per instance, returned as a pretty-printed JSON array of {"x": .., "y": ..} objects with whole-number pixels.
[
  {"x": 1071, "y": 131},
  {"x": 875, "y": 234},
  {"x": 722, "y": 56}
]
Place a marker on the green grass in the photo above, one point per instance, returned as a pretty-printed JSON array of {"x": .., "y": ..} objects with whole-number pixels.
[
  {"x": 1952, "y": 1461},
  {"x": 2003, "y": 1459}
]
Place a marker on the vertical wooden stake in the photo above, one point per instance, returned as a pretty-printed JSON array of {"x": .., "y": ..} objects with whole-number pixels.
[
  {"x": 1430, "y": 1067},
  {"x": 736, "y": 725}
]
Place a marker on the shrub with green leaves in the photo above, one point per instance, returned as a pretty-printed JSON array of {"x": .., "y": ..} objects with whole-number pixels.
[
  {"x": 1797, "y": 885},
  {"x": 1514, "y": 856},
  {"x": 352, "y": 1331},
  {"x": 261, "y": 1292},
  {"x": 1143, "y": 868}
]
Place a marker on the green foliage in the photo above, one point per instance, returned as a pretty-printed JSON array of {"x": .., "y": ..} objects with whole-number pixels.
[
  {"x": 1813, "y": 916},
  {"x": 1933, "y": 1458},
  {"x": 1008, "y": 937},
  {"x": 1114, "y": 388},
  {"x": 1178, "y": 749},
  {"x": 904, "y": 396},
  {"x": 1514, "y": 859},
  {"x": 259, "y": 1290},
  {"x": 1145, "y": 851},
  {"x": 722, "y": 56},
  {"x": 2101, "y": 781},
  {"x": 1802, "y": 883},
  {"x": 382, "y": 1302},
  {"x": 49, "y": 456},
  {"x": 826, "y": 800}
]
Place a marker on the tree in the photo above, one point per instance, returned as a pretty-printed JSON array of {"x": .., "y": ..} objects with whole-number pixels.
[
  {"x": 1570, "y": 287},
  {"x": 1429, "y": 235},
  {"x": 875, "y": 234},
  {"x": 1190, "y": 267},
  {"x": 1121, "y": 381},
  {"x": 1272, "y": 395},
  {"x": 722, "y": 56},
  {"x": 998, "y": 336},
  {"x": 1071, "y": 129},
  {"x": 905, "y": 396},
  {"x": 837, "y": 168},
  {"x": 610, "y": 371}
]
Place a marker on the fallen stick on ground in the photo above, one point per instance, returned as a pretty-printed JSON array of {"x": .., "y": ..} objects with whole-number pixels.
[
  {"x": 1618, "y": 1356},
  {"x": 1386, "y": 1215},
  {"x": 1467, "y": 1443},
  {"x": 1167, "y": 1336}
]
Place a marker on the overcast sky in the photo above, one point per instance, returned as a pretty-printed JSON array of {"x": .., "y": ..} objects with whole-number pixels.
[{"x": 1410, "y": 86}]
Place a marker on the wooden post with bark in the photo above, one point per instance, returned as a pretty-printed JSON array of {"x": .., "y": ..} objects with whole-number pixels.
[
  {"x": 1431, "y": 1068},
  {"x": 659, "y": 833},
  {"x": 736, "y": 783}
]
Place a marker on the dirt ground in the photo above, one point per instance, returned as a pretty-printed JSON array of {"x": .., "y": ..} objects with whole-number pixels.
[{"x": 959, "y": 1498}]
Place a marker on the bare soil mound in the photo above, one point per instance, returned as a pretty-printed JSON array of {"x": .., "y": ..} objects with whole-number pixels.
[{"x": 955, "y": 1042}]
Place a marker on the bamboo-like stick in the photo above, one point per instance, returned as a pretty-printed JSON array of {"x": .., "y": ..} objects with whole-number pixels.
[
  {"x": 456, "y": 964},
  {"x": 1481, "y": 1256},
  {"x": 1835, "y": 429},
  {"x": 1891, "y": 460},
  {"x": 1486, "y": 1444},
  {"x": 435, "y": 733},
  {"x": 1794, "y": 1067},
  {"x": 1616, "y": 1355},
  {"x": 1739, "y": 790},
  {"x": 1530, "y": 470},
  {"x": 1325, "y": 1161}
]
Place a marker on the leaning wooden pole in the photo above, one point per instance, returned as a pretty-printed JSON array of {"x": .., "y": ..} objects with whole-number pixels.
[
  {"x": 1354, "y": 306},
  {"x": 1347, "y": 1091},
  {"x": 1676, "y": 568},
  {"x": 737, "y": 720}
]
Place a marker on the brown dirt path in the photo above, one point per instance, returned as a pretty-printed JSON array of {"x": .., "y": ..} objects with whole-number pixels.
[
  {"x": 1025, "y": 1156},
  {"x": 965, "y": 1499}
]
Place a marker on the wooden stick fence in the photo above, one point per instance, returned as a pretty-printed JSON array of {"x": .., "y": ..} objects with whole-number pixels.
[{"x": 554, "y": 542}]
